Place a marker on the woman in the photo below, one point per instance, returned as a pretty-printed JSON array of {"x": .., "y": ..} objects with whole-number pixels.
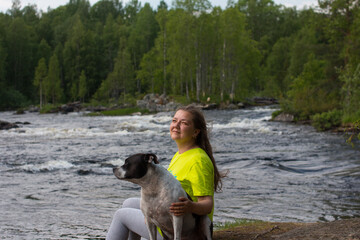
[{"x": 193, "y": 165}]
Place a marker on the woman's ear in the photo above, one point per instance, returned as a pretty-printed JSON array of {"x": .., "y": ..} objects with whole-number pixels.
[{"x": 196, "y": 133}]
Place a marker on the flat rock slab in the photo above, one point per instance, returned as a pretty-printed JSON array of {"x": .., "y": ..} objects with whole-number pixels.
[{"x": 338, "y": 230}]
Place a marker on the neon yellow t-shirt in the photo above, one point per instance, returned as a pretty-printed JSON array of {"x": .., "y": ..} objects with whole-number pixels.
[{"x": 195, "y": 171}]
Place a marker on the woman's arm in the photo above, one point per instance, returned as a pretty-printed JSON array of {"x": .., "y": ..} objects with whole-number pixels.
[{"x": 202, "y": 207}]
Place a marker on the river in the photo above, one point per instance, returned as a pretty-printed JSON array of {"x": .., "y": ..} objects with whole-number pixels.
[{"x": 56, "y": 176}]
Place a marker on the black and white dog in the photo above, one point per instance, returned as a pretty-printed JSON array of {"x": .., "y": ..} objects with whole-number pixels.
[{"x": 159, "y": 189}]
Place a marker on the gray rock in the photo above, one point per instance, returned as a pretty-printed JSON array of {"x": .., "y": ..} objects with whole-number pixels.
[
  {"x": 232, "y": 106},
  {"x": 284, "y": 117},
  {"x": 156, "y": 103}
]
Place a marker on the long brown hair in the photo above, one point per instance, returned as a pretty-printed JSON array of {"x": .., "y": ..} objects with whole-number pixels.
[{"x": 202, "y": 140}]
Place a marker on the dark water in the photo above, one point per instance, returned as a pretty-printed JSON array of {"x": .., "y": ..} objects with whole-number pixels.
[{"x": 56, "y": 177}]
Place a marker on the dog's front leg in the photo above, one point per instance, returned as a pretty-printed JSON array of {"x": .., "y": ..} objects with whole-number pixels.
[
  {"x": 151, "y": 229},
  {"x": 177, "y": 225}
]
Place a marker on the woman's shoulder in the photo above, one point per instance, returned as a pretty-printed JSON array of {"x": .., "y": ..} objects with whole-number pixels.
[{"x": 199, "y": 156}]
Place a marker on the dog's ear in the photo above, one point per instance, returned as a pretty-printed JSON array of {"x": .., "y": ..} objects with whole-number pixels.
[{"x": 150, "y": 157}]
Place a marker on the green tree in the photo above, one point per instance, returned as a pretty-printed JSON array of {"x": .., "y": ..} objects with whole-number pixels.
[
  {"x": 277, "y": 65},
  {"x": 192, "y": 6},
  {"x": 3, "y": 56},
  {"x": 142, "y": 36},
  {"x": 15, "y": 10},
  {"x": 161, "y": 43},
  {"x": 121, "y": 80},
  {"x": 262, "y": 17},
  {"x": 20, "y": 42},
  {"x": 131, "y": 10},
  {"x": 148, "y": 71},
  {"x": 340, "y": 16},
  {"x": 304, "y": 44},
  {"x": 111, "y": 41},
  {"x": 73, "y": 58},
  {"x": 44, "y": 50},
  {"x": 53, "y": 88},
  {"x": 351, "y": 50},
  {"x": 181, "y": 52},
  {"x": 82, "y": 86},
  {"x": 239, "y": 55},
  {"x": 101, "y": 10},
  {"x": 30, "y": 15},
  {"x": 40, "y": 78}
]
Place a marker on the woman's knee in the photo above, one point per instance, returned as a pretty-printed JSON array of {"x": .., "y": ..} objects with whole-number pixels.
[
  {"x": 131, "y": 203},
  {"x": 120, "y": 214}
]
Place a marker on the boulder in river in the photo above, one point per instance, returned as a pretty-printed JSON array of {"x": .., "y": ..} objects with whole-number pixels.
[
  {"x": 264, "y": 101},
  {"x": 70, "y": 107},
  {"x": 7, "y": 125}
]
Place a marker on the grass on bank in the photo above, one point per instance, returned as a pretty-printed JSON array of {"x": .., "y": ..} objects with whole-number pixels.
[
  {"x": 236, "y": 223},
  {"x": 120, "y": 112}
]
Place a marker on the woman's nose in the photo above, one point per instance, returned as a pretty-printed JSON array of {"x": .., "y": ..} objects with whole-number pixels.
[{"x": 176, "y": 124}]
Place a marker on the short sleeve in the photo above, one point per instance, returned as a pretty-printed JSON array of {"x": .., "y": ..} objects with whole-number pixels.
[{"x": 201, "y": 176}]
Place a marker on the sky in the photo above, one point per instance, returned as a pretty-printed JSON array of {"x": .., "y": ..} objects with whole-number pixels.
[{"x": 44, "y": 4}]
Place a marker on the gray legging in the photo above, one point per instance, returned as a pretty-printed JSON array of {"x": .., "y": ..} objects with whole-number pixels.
[{"x": 129, "y": 223}]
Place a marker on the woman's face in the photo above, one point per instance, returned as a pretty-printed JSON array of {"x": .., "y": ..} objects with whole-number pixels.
[{"x": 182, "y": 129}]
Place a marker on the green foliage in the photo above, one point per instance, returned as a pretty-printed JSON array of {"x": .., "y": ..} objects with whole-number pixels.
[
  {"x": 276, "y": 113},
  {"x": 327, "y": 120},
  {"x": 183, "y": 100},
  {"x": 48, "y": 108},
  {"x": 355, "y": 132},
  {"x": 11, "y": 99},
  {"x": 351, "y": 93},
  {"x": 310, "y": 93},
  {"x": 2, "y": 61}
]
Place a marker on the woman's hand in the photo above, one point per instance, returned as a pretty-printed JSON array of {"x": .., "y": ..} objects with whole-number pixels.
[
  {"x": 202, "y": 207},
  {"x": 182, "y": 207}
]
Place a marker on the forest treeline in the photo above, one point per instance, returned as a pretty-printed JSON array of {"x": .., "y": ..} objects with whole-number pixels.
[{"x": 309, "y": 59}]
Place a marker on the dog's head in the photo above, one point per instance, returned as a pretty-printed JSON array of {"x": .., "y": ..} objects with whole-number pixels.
[{"x": 135, "y": 166}]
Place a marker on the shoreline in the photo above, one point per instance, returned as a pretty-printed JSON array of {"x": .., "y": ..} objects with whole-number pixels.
[{"x": 346, "y": 229}]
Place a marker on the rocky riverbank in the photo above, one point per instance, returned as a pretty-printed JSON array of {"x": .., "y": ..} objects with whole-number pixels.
[
  {"x": 151, "y": 103},
  {"x": 161, "y": 103}
]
